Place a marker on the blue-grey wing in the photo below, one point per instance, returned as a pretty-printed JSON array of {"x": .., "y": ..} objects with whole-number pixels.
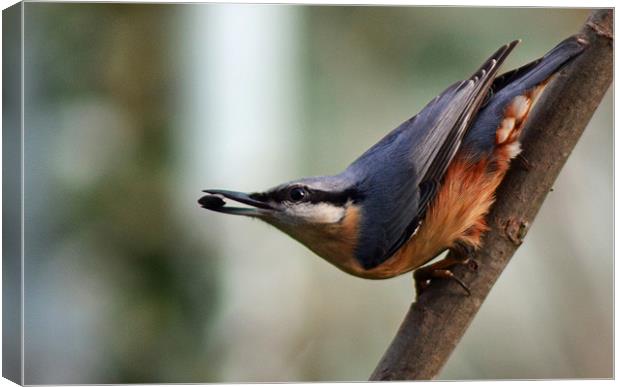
[{"x": 403, "y": 170}]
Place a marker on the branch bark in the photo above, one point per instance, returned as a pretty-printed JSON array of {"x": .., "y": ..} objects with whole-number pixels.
[{"x": 438, "y": 319}]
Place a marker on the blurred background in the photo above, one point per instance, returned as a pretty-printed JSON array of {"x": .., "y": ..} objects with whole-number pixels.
[{"x": 133, "y": 109}]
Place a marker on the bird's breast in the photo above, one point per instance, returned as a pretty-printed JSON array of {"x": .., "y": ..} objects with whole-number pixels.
[{"x": 333, "y": 241}]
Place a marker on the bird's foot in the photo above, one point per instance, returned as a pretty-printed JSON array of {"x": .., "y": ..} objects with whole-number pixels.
[{"x": 442, "y": 270}]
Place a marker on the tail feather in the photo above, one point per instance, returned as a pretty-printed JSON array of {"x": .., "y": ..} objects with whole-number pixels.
[
  {"x": 536, "y": 72},
  {"x": 514, "y": 95}
]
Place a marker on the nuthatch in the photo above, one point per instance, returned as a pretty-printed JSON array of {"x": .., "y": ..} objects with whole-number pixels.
[{"x": 422, "y": 189}]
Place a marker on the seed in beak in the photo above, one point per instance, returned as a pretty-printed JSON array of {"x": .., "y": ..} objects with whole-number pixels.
[{"x": 211, "y": 202}]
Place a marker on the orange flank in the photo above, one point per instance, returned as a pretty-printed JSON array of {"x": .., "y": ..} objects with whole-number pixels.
[{"x": 456, "y": 214}]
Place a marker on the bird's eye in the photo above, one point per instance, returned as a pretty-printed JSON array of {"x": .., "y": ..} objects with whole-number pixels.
[{"x": 297, "y": 194}]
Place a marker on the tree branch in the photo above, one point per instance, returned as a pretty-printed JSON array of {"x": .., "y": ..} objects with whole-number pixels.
[{"x": 438, "y": 319}]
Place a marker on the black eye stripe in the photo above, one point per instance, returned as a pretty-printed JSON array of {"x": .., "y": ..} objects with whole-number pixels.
[
  {"x": 337, "y": 198},
  {"x": 313, "y": 196}
]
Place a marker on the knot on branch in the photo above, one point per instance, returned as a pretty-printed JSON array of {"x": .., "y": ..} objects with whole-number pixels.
[{"x": 516, "y": 230}]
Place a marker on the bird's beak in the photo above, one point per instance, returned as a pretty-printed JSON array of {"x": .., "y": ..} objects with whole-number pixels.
[{"x": 214, "y": 201}]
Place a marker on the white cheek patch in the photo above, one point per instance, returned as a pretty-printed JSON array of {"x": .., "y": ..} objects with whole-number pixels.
[{"x": 317, "y": 212}]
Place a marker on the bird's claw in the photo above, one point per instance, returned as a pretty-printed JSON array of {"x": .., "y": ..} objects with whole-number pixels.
[{"x": 424, "y": 276}]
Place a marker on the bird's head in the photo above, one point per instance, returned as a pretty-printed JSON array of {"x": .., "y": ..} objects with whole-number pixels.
[{"x": 323, "y": 213}]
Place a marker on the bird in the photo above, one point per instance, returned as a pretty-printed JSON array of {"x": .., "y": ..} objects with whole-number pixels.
[{"x": 424, "y": 188}]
